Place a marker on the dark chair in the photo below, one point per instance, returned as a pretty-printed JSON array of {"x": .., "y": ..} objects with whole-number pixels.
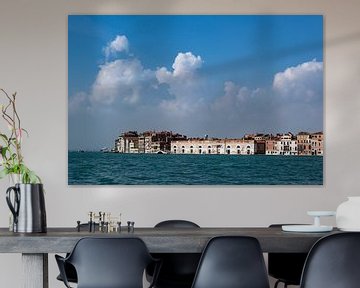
[
  {"x": 333, "y": 262},
  {"x": 232, "y": 262},
  {"x": 108, "y": 262},
  {"x": 178, "y": 269},
  {"x": 286, "y": 267},
  {"x": 69, "y": 269}
]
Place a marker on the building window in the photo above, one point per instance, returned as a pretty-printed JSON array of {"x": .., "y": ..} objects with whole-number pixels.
[
  {"x": 228, "y": 149},
  {"x": 238, "y": 151}
]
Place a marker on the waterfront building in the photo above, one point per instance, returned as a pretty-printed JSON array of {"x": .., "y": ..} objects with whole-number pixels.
[
  {"x": 146, "y": 142},
  {"x": 197, "y": 146},
  {"x": 127, "y": 142},
  {"x": 271, "y": 146},
  {"x": 260, "y": 147},
  {"x": 239, "y": 146},
  {"x": 160, "y": 142},
  {"x": 212, "y": 146},
  {"x": 317, "y": 143},
  {"x": 287, "y": 144},
  {"x": 304, "y": 143},
  {"x": 259, "y": 142}
]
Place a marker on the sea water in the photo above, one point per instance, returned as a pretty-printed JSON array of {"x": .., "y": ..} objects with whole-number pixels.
[{"x": 97, "y": 168}]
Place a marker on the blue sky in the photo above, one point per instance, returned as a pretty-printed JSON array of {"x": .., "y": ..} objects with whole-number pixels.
[{"x": 218, "y": 75}]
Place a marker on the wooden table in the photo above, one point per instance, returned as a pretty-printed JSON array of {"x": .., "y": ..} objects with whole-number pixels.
[{"x": 35, "y": 247}]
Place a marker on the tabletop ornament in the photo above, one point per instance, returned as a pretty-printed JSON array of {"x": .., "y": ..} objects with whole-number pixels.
[
  {"x": 25, "y": 197},
  {"x": 315, "y": 227},
  {"x": 348, "y": 214},
  {"x": 104, "y": 222}
]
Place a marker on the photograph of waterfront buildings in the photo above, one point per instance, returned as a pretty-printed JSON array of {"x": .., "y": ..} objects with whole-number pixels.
[{"x": 195, "y": 100}]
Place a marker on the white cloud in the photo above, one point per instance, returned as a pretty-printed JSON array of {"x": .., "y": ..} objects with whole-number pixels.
[
  {"x": 239, "y": 93},
  {"x": 183, "y": 84},
  {"x": 119, "y": 44},
  {"x": 186, "y": 63},
  {"x": 300, "y": 83},
  {"x": 184, "y": 67},
  {"x": 236, "y": 97},
  {"x": 121, "y": 79},
  {"x": 240, "y": 110}
]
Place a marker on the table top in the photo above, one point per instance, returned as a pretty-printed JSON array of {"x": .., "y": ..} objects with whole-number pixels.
[{"x": 158, "y": 240}]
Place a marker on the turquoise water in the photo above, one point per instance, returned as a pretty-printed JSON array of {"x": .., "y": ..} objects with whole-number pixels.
[{"x": 96, "y": 168}]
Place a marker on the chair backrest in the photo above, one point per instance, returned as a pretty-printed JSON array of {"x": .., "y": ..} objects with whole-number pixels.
[
  {"x": 232, "y": 262},
  {"x": 333, "y": 262},
  {"x": 176, "y": 224},
  {"x": 178, "y": 269},
  {"x": 110, "y": 262}
]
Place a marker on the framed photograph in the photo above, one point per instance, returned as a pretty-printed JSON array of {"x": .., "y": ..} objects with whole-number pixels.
[{"x": 195, "y": 100}]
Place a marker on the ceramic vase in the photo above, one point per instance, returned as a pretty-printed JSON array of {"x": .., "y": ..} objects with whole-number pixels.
[{"x": 348, "y": 214}]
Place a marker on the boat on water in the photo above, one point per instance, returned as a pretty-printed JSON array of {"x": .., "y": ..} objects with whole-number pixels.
[{"x": 105, "y": 150}]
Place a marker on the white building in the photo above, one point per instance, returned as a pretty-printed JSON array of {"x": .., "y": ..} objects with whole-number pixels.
[
  {"x": 213, "y": 146},
  {"x": 287, "y": 145},
  {"x": 272, "y": 147}
]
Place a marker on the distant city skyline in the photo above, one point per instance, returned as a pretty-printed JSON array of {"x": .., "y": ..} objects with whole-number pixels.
[{"x": 222, "y": 76}]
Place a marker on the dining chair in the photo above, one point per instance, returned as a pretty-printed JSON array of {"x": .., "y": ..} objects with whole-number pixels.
[
  {"x": 70, "y": 271},
  {"x": 232, "y": 262},
  {"x": 286, "y": 267},
  {"x": 108, "y": 263},
  {"x": 178, "y": 269},
  {"x": 333, "y": 262}
]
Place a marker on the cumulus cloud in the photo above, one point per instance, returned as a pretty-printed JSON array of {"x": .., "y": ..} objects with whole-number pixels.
[
  {"x": 300, "y": 83},
  {"x": 119, "y": 44},
  {"x": 237, "y": 98},
  {"x": 183, "y": 83},
  {"x": 240, "y": 110},
  {"x": 243, "y": 109},
  {"x": 184, "y": 67},
  {"x": 122, "y": 79}
]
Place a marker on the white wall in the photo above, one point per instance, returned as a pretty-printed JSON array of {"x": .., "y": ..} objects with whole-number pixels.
[{"x": 33, "y": 62}]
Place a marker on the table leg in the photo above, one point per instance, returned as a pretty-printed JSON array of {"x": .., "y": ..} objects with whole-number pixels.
[{"x": 35, "y": 270}]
